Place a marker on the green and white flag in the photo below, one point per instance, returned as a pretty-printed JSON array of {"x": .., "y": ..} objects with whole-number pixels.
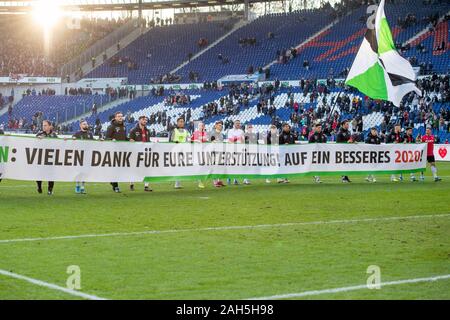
[{"x": 378, "y": 70}]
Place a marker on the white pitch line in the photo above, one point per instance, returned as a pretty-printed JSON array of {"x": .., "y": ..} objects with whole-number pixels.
[
  {"x": 351, "y": 288},
  {"x": 223, "y": 228},
  {"x": 50, "y": 285}
]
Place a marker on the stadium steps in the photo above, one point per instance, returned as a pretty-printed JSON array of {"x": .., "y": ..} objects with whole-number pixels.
[
  {"x": 420, "y": 36},
  {"x": 312, "y": 38},
  {"x": 111, "y": 51},
  {"x": 105, "y": 107},
  {"x": 3, "y": 110},
  {"x": 236, "y": 27}
]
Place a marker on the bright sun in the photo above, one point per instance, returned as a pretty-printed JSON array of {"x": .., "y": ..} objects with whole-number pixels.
[{"x": 46, "y": 12}]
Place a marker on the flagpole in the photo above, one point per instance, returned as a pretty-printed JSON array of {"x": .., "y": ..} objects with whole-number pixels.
[{"x": 332, "y": 108}]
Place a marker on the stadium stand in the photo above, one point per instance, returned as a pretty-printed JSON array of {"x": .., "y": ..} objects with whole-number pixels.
[
  {"x": 235, "y": 54},
  {"x": 154, "y": 54}
]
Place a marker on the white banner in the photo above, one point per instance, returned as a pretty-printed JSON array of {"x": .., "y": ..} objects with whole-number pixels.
[
  {"x": 102, "y": 83},
  {"x": 25, "y": 158},
  {"x": 442, "y": 152},
  {"x": 19, "y": 79}
]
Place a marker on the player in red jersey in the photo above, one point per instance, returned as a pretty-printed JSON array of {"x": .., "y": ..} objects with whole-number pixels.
[{"x": 429, "y": 139}]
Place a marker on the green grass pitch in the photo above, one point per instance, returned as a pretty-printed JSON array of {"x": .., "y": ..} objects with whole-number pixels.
[{"x": 187, "y": 261}]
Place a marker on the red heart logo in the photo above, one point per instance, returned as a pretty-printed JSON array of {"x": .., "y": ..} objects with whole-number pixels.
[{"x": 442, "y": 152}]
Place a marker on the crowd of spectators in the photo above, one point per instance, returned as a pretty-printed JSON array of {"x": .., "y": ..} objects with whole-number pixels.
[
  {"x": 409, "y": 20},
  {"x": 412, "y": 111},
  {"x": 244, "y": 42},
  {"x": 202, "y": 42},
  {"x": 285, "y": 55},
  {"x": 121, "y": 93},
  {"x": 77, "y": 91},
  {"x": 177, "y": 99},
  {"x": 166, "y": 78},
  {"x": 118, "y": 61},
  {"x": 23, "y": 52}
]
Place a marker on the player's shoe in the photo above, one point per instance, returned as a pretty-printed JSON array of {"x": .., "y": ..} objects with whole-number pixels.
[
  {"x": 286, "y": 180},
  {"x": 401, "y": 177},
  {"x": 368, "y": 179},
  {"x": 437, "y": 179},
  {"x": 82, "y": 190},
  {"x": 279, "y": 180},
  {"x": 246, "y": 182},
  {"x": 177, "y": 185},
  {"x": 422, "y": 178},
  {"x": 39, "y": 190},
  {"x": 131, "y": 187},
  {"x": 201, "y": 185},
  {"x": 221, "y": 184},
  {"x": 77, "y": 189},
  {"x": 216, "y": 184},
  {"x": 148, "y": 189},
  {"x": 50, "y": 192},
  {"x": 374, "y": 180},
  {"x": 235, "y": 182},
  {"x": 268, "y": 181},
  {"x": 345, "y": 179},
  {"x": 317, "y": 179},
  {"x": 413, "y": 179},
  {"x": 394, "y": 179},
  {"x": 116, "y": 190}
]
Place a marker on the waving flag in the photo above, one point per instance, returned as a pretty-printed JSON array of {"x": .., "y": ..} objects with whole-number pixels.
[{"x": 378, "y": 70}]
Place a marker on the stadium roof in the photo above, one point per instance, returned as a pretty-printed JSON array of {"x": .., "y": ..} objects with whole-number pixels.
[{"x": 117, "y": 5}]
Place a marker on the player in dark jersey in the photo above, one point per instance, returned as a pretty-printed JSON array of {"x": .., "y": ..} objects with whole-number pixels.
[
  {"x": 317, "y": 137},
  {"x": 372, "y": 138},
  {"x": 140, "y": 133},
  {"x": 344, "y": 136},
  {"x": 116, "y": 131},
  {"x": 286, "y": 137},
  {"x": 83, "y": 134},
  {"x": 47, "y": 132}
]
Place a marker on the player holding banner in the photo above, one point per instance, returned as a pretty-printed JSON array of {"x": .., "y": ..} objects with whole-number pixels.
[
  {"x": 344, "y": 136},
  {"x": 83, "y": 134},
  {"x": 140, "y": 133},
  {"x": 217, "y": 136},
  {"x": 236, "y": 135},
  {"x": 317, "y": 137},
  {"x": 395, "y": 136},
  {"x": 179, "y": 135},
  {"x": 372, "y": 138},
  {"x": 116, "y": 132},
  {"x": 47, "y": 132},
  {"x": 429, "y": 139},
  {"x": 408, "y": 138},
  {"x": 200, "y": 136}
]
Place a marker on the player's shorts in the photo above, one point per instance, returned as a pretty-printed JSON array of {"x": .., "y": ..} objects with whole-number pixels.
[{"x": 431, "y": 159}]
